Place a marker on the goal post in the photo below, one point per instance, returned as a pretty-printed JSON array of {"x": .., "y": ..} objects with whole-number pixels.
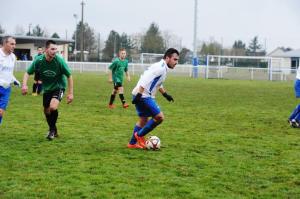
[{"x": 149, "y": 58}]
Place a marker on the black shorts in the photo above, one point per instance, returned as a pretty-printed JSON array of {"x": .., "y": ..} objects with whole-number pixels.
[
  {"x": 37, "y": 76},
  {"x": 117, "y": 85},
  {"x": 57, "y": 94}
]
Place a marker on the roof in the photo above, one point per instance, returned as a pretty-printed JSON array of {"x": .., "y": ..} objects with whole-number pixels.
[
  {"x": 292, "y": 53},
  {"x": 40, "y": 41}
]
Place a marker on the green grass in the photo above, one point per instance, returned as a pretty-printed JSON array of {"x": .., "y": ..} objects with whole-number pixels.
[{"x": 220, "y": 139}]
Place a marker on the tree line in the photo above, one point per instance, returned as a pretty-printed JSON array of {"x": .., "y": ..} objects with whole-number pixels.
[{"x": 152, "y": 41}]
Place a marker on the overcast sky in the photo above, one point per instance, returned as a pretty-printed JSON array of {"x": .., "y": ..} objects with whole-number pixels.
[{"x": 275, "y": 22}]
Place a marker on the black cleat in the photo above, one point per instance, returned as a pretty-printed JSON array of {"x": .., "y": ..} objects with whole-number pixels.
[
  {"x": 55, "y": 134},
  {"x": 51, "y": 135}
]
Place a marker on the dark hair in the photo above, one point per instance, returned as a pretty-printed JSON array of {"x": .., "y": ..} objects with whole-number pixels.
[
  {"x": 39, "y": 47},
  {"x": 49, "y": 42},
  {"x": 170, "y": 52},
  {"x": 6, "y": 38}
]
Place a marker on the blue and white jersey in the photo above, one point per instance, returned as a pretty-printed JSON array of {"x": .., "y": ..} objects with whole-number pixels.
[
  {"x": 7, "y": 64},
  {"x": 151, "y": 80}
]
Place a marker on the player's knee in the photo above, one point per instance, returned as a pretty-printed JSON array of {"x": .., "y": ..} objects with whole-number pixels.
[
  {"x": 53, "y": 108},
  {"x": 1, "y": 112},
  {"x": 159, "y": 118}
]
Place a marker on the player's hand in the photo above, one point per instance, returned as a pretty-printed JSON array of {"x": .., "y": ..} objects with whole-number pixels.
[
  {"x": 17, "y": 83},
  {"x": 70, "y": 98},
  {"x": 137, "y": 98},
  {"x": 109, "y": 80},
  {"x": 24, "y": 89},
  {"x": 168, "y": 97}
]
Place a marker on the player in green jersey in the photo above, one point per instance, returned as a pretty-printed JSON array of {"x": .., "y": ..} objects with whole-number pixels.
[
  {"x": 53, "y": 72},
  {"x": 37, "y": 84},
  {"x": 116, "y": 74}
]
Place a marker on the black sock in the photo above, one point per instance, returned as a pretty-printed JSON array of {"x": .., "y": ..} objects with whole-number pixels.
[
  {"x": 121, "y": 95},
  {"x": 112, "y": 99},
  {"x": 48, "y": 118},
  {"x": 54, "y": 116},
  {"x": 39, "y": 88},
  {"x": 34, "y": 87}
]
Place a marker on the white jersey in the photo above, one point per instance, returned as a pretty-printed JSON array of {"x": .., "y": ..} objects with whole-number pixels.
[
  {"x": 151, "y": 80},
  {"x": 7, "y": 64},
  {"x": 298, "y": 73}
]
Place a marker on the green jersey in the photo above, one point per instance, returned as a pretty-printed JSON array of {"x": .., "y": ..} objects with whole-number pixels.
[
  {"x": 118, "y": 67},
  {"x": 53, "y": 74},
  {"x": 37, "y": 56}
]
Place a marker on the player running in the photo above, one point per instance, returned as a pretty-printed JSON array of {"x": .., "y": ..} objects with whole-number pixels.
[
  {"x": 294, "y": 119},
  {"x": 7, "y": 64},
  {"x": 37, "y": 84},
  {"x": 144, "y": 97},
  {"x": 117, "y": 69},
  {"x": 53, "y": 70}
]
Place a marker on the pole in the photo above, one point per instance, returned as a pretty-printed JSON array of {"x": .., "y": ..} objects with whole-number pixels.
[
  {"x": 98, "y": 47},
  {"x": 82, "y": 33},
  {"x": 195, "y": 58},
  {"x": 75, "y": 49}
]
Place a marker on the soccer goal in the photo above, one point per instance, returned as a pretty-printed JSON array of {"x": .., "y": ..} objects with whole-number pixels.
[
  {"x": 150, "y": 58},
  {"x": 247, "y": 67}
]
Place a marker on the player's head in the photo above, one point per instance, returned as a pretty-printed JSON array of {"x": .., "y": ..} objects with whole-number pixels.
[
  {"x": 51, "y": 48},
  {"x": 9, "y": 44},
  {"x": 122, "y": 53},
  {"x": 171, "y": 57},
  {"x": 40, "y": 50}
]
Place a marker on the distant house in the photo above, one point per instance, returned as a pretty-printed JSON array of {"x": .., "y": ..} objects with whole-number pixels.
[
  {"x": 26, "y": 47},
  {"x": 289, "y": 58}
]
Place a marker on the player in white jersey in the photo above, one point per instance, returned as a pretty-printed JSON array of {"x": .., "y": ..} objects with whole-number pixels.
[
  {"x": 144, "y": 97},
  {"x": 7, "y": 63},
  {"x": 294, "y": 119}
]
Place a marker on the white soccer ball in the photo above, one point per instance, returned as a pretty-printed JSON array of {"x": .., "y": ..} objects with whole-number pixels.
[{"x": 153, "y": 142}]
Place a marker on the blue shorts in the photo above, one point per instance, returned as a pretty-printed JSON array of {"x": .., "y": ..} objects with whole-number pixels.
[
  {"x": 297, "y": 88},
  {"x": 147, "y": 107},
  {"x": 4, "y": 97}
]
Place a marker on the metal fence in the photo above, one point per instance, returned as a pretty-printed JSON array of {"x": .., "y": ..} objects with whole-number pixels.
[{"x": 215, "y": 72}]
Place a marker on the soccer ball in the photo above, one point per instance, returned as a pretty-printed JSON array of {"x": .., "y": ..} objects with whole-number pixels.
[{"x": 153, "y": 143}]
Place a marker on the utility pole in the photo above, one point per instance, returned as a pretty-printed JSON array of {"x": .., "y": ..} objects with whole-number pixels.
[
  {"x": 98, "y": 47},
  {"x": 29, "y": 29},
  {"x": 195, "y": 58},
  {"x": 82, "y": 32},
  {"x": 75, "y": 49}
]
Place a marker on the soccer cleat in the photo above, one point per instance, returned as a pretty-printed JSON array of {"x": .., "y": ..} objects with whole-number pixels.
[
  {"x": 55, "y": 134},
  {"x": 293, "y": 123},
  {"x": 141, "y": 140},
  {"x": 50, "y": 135},
  {"x": 125, "y": 105},
  {"x": 111, "y": 106},
  {"x": 134, "y": 146}
]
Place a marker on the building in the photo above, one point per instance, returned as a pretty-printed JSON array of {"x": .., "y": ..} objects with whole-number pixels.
[
  {"x": 289, "y": 58},
  {"x": 26, "y": 47}
]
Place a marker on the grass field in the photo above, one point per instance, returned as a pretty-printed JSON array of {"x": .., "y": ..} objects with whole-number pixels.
[{"x": 220, "y": 139}]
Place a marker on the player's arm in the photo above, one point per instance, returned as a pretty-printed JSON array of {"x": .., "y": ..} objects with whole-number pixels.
[
  {"x": 127, "y": 76},
  {"x": 29, "y": 71},
  {"x": 70, "y": 95},
  {"x": 138, "y": 96},
  {"x": 111, "y": 67},
  {"x": 165, "y": 94}
]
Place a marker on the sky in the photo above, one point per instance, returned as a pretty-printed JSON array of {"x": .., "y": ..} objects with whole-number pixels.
[{"x": 275, "y": 22}]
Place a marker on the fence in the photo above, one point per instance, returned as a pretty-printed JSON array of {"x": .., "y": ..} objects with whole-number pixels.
[{"x": 204, "y": 71}]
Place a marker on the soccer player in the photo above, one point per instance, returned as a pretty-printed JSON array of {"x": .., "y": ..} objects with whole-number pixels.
[
  {"x": 53, "y": 72},
  {"x": 294, "y": 119},
  {"x": 37, "y": 84},
  {"x": 7, "y": 64},
  {"x": 144, "y": 97},
  {"x": 117, "y": 69}
]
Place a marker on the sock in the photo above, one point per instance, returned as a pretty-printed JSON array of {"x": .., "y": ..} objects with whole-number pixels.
[
  {"x": 39, "y": 88},
  {"x": 151, "y": 124},
  {"x": 121, "y": 95},
  {"x": 136, "y": 129},
  {"x": 54, "y": 116},
  {"x": 0, "y": 119},
  {"x": 295, "y": 112},
  {"x": 34, "y": 86},
  {"x": 48, "y": 118},
  {"x": 112, "y": 98}
]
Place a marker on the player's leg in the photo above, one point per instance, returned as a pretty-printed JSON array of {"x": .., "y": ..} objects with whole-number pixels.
[
  {"x": 121, "y": 95},
  {"x": 113, "y": 96},
  {"x": 296, "y": 111},
  {"x": 51, "y": 112},
  {"x": 39, "y": 87},
  {"x": 138, "y": 126},
  {"x": 4, "y": 98},
  {"x": 34, "y": 87},
  {"x": 149, "y": 108}
]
